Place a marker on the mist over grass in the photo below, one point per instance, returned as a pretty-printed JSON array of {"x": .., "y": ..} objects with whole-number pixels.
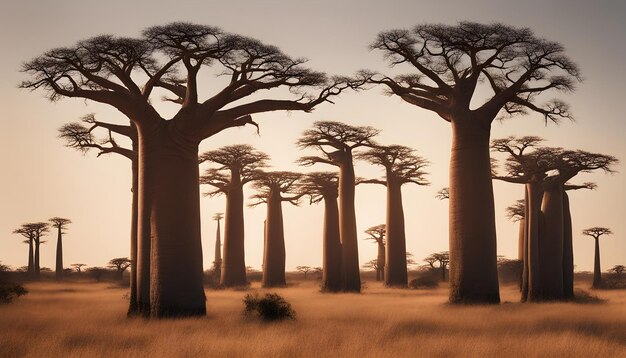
[{"x": 88, "y": 319}]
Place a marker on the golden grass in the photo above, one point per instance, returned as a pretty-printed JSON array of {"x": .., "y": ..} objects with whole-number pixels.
[{"x": 88, "y": 319}]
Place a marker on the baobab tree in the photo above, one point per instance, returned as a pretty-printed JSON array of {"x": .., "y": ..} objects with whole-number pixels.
[
  {"x": 323, "y": 186},
  {"x": 123, "y": 72},
  {"x": 443, "y": 194},
  {"x": 217, "y": 263},
  {"x": 402, "y": 166},
  {"x": 78, "y": 267},
  {"x": 238, "y": 165},
  {"x": 274, "y": 188},
  {"x": 304, "y": 269},
  {"x": 618, "y": 270},
  {"x": 373, "y": 265},
  {"x": 38, "y": 229},
  {"x": 449, "y": 62},
  {"x": 596, "y": 233},
  {"x": 442, "y": 258},
  {"x": 27, "y": 231},
  {"x": 60, "y": 224},
  {"x": 516, "y": 213},
  {"x": 120, "y": 264},
  {"x": 342, "y": 139},
  {"x": 377, "y": 234},
  {"x": 80, "y": 136}
]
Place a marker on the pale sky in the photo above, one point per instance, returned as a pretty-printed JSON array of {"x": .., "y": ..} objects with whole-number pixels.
[{"x": 41, "y": 178}]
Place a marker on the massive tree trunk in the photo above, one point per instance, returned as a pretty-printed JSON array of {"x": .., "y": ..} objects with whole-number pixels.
[
  {"x": 233, "y": 262},
  {"x": 597, "y": 271},
  {"x": 170, "y": 195},
  {"x": 568, "y": 250},
  {"x": 218, "y": 253},
  {"x": 331, "y": 275},
  {"x": 133, "y": 306},
  {"x": 551, "y": 244},
  {"x": 31, "y": 262},
  {"x": 274, "y": 253},
  {"x": 534, "y": 223},
  {"x": 473, "y": 257},
  {"x": 58, "y": 270},
  {"x": 350, "y": 275},
  {"x": 395, "y": 263},
  {"x": 525, "y": 266}
]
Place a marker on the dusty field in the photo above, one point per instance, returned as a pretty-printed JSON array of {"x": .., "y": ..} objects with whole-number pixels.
[{"x": 88, "y": 319}]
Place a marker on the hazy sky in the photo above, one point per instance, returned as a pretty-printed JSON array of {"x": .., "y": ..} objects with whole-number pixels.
[{"x": 41, "y": 178}]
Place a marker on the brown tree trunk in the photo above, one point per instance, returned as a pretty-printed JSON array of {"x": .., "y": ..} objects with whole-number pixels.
[
  {"x": 31, "y": 262},
  {"x": 218, "y": 253},
  {"x": 568, "y": 250},
  {"x": 520, "y": 246},
  {"x": 58, "y": 270},
  {"x": 395, "y": 264},
  {"x": 534, "y": 231},
  {"x": 351, "y": 276},
  {"x": 133, "y": 306},
  {"x": 233, "y": 262},
  {"x": 37, "y": 267},
  {"x": 380, "y": 262},
  {"x": 597, "y": 271},
  {"x": 473, "y": 256},
  {"x": 331, "y": 274},
  {"x": 525, "y": 266},
  {"x": 274, "y": 253},
  {"x": 551, "y": 244},
  {"x": 169, "y": 178}
]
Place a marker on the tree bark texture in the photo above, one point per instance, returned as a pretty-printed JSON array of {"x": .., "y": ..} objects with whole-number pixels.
[
  {"x": 395, "y": 263},
  {"x": 568, "y": 250},
  {"x": 351, "y": 277},
  {"x": 551, "y": 245},
  {"x": 234, "y": 262},
  {"x": 331, "y": 274},
  {"x": 274, "y": 256}
]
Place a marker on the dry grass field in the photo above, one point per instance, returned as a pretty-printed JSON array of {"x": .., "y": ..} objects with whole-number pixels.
[{"x": 88, "y": 319}]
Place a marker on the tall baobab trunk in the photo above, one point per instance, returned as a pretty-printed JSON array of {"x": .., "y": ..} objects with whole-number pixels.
[
  {"x": 597, "y": 271},
  {"x": 37, "y": 267},
  {"x": 380, "y": 262},
  {"x": 170, "y": 195},
  {"x": 31, "y": 262},
  {"x": 233, "y": 262},
  {"x": 351, "y": 276},
  {"x": 395, "y": 263},
  {"x": 331, "y": 274},
  {"x": 521, "y": 239},
  {"x": 133, "y": 306},
  {"x": 473, "y": 257},
  {"x": 218, "y": 252},
  {"x": 274, "y": 253},
  {"x": 531, "y": 291},
  {"x": 525, "y": 266},
  {"x": 568, "y": 250},
  {"x": 551, "y": 244},
  {"x": 58, "y": 271}
]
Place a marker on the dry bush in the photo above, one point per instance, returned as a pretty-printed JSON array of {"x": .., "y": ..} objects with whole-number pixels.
[
  {"x": 9, "y": 291},
  {"x": 272, "y": 307}
]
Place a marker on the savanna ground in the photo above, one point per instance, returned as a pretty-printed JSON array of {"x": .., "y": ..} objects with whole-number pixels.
[{"x": 88, "y": 319}]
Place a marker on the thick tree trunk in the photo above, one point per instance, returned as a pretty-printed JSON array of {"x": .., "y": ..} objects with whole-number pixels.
[
  {"x": 169, "y": 182},
  {"x": 395, "y": 264},
  {"x": 31, "y": 262},
  {"x": 534, "y": 222},
  {"x": 274, "y": 253},
  {"x": 597, "y": 271},
  {"x": 331, "y": 274},
  {"x": 380, "y": 262},
  {"x": 473, "y": 257},
  {"x": 551, "y": 244},
  {"x": 351, "y": 276},
  {"x": 525, "y": 266},
  {"x": 58, "y": 270},
  {"x": 520, "y": 247},
  {"x": 233, "y": 262},
  {"x": 568, "y": 250},
  {"x": 133, "y": 306},
  {"x": 37, "y": 267},
  {"x": 218, "y": 253}
]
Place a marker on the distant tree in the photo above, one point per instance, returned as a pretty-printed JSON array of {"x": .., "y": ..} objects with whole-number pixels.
[
  {"x": 516, "y": 213},
  {"x": 97, "y": 272},
  {"x": 4, "y": 268},
  {"x": 450, "y": 64},
  {"x": 39, "y": 229},
  {"x": 377, "y": 234},
  {"x": 26, "y": 231},
  {"x": 443, "y": 258},
  {"x": 341, "y": 139},
  {"x": 274, "y": 188},
  {"x": 237, "y": 165},
  {"x": 409, "y": 260},
  {"x": 443, "y": 194},
  {"x": 217, "y": 263},
  {"x": 431, "y": 260},
  {"x": 323, "y": 186},
  {"x": 305, "y": 270},
  {"x": 60, "y": 224},
  {"x": 372, "y": 265},
  {"x": 120, "y": 264},
  {"x": 78, "y": 267},
  {"x": 596, "y": 233},
  {"x": 318, "y": 271},
  {"x": 402, "y": 166},
  {"x": 618, "y": 269}
]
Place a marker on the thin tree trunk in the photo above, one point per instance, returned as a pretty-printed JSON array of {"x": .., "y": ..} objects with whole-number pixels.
[
  {"x": 597, "y": 271},
  {"x": 274, "y": 257},
  {"x": 568, "y": 250},
  {"x": 534, "y": 232},
  {"x": 351, "y": 276},
  {"x": 233, "y": 262},
  {"x": 331, "y": 274},
  {"x": 37, "y": 267},
  {"x": 380, "y": 262},
  {"x": 473, "y": 256},
  {"x": 524, "y": 281},
  {"x": 133, "y": 306},
  {"x": 551, "y": 244},
  {"x": 31, "y": 261},
  {"x": 218, "y": 252},
  {"x": 395, "y": 264},
  {"x": 520, "y": 248},
  {"x": 58, "y": 270},
  {"x": 169, "y": 178}
]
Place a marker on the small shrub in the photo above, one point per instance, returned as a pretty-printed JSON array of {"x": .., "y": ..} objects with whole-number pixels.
[
  {"x": 425, "y": 280},
  {"x": 271, "y": 307},
  {"x": 9, "y": 291}
]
